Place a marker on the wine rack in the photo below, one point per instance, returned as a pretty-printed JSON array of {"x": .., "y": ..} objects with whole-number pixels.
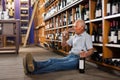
[
  {"x": 24, "y": 17},
  {"x": 10, "y": 8},
  {"x": 101, "y": 24},
  {"x": 9, "y": 36}
]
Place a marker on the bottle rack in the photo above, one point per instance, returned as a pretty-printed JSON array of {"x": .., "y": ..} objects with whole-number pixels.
[
  {"x": 10, "y": 8},
  {"x": 9, "y": 36},
  {"x": 24, "y": 17},
  {"x": 94, "y": 12}
]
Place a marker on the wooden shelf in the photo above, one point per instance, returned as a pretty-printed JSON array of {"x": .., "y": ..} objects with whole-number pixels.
[
  {"x": 97, "y": 44},
  {"x": 96, "y": 20},
  {"x": 24, "y": 28},
  {"x": 113, "y": 45},
  {"x": 65, "y": 8},
  {"x": 24, "y": 15},
  {"x": 56, "y": 28},
  {"x": 24, "y": 8},
  {"x": 9, "y": 45},
  {"x": 53, "y": 40},
  {"x": 106, "y": 65},
  {"x": 7, "y": 48},
  {"x": 112, "y": 16},
  {"x": 24, "y": 20},
  {"x": 87, "y": 21},
  {"x": 23, "y": 2}
]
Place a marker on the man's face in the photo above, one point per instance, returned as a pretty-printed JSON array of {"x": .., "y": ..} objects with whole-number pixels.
[{"x": 78, "y": 29}]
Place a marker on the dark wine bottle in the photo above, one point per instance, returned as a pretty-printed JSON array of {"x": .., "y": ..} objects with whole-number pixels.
[
  {"x": 118, "y": 6},
  {"x": 2, "y": 15},
  {"x": 118, "y": 38},
  {"x": 109, "y": 7},
  {"x": 93, "y": 35},
  {"x": 114, "y": 11},
  {"x": 100, "y": 32},
  {"x": 98, "y": 12},
  {"x": 82, "y": 13},
  {"x": 82, "y": 64},
  {"x": 87, "y": 11}
]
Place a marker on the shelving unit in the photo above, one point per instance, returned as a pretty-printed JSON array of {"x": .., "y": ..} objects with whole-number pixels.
[
  {"x": 61, "y": 17},
  {"x": 9, "y": 36},
  {"x": 24, "y": 17}
]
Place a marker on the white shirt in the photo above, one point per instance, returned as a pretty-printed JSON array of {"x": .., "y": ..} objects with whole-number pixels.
[{"x": 80, "y": 42}]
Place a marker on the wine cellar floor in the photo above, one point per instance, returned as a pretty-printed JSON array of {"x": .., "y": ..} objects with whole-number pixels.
[{"x": 11, "y": 68}]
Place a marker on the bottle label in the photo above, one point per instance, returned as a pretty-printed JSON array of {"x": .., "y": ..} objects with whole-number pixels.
[
  {"x": 115, "y": 39},
  {"x": 117, "y": 8},
  {"x": 81, "y": 64},
  {"x": 109, "y": 38},
  {"x": 100, "y": 38},
  {"x": 97, "y": 13},
  {"x": 113, "y": 9},
  {"x": 108, "y": 8},
  {"x": 100, "y": 13},
  {"x": 118, "y": 35},
  {"x": 93, "y": 38},
  {"x": 87, "y": 14}
]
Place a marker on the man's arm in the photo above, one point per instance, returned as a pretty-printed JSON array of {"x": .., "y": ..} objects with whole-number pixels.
[
  {"x": 87, "y": 53},
  {"x": 65, "y": 36}
]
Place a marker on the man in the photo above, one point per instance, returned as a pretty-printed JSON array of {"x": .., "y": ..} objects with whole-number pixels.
[{"x": 81, "y": 44}]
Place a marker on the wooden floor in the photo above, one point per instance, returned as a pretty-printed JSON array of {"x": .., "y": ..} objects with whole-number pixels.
[{"x": 11, "y": 68}]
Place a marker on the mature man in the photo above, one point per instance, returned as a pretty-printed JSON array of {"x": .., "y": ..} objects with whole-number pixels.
[{"x": 81, "y": 47}]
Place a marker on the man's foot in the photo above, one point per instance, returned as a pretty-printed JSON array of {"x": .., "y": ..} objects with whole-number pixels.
[
  {"x": 30, "y": 63},
  {"x": 25, "y": 65}
]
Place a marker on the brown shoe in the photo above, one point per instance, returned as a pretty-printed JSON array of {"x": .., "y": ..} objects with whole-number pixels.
[
  {"x": 29, "y": 61},
  {"x": 25, "y": 66}
]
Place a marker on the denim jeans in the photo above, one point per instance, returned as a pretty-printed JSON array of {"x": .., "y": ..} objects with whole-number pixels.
[{"x": 56, "y": 64}]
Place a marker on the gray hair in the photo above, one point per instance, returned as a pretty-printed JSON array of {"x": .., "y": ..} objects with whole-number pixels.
[{"x": 80, "y": 23}]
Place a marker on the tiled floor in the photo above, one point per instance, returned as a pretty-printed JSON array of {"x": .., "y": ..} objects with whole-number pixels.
[{"x": 11, "y": 68}]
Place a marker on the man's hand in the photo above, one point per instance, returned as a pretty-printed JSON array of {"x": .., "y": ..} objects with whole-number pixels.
[
  {"x": 83, "y": 54},
  {"x": 87, "y": 53}
]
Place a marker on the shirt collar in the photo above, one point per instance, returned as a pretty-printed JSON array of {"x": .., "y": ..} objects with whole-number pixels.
[{"x": 80, "y": 34}]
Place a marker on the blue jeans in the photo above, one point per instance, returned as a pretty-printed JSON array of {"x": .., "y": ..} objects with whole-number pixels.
[{"x": 54, "y": 64}]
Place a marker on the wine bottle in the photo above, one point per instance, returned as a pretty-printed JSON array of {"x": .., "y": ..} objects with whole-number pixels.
[
  {"x": 118, "y": 38},
  {"x": 100, "y": 8},
  {"x": 87, "y": 28},
  {"x": 118, "y": 6},
  {"x": 100, "y": 32},
  {"x": 109, "y": 37},
  {"x": 86, "y": 11},
  {"x": 93, "y": 35},
  {"x": 109, "y": 7},
  {"x": 82, "y": 13},
  {"x": 2, "y": 15},
  {"x": 64, "y": 19},
  {"x": 98, "y": 12},
  {"x": 116, "y": 33},
  {"x": 113, "y": 31},
  {"x": 114, "y": 11},
  {"x": 82, "y": 64},
  {"x": 97, "y": 34}
]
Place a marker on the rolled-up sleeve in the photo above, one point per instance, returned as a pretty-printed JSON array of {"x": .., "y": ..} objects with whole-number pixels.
[{"x": 89, "y": 43}]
